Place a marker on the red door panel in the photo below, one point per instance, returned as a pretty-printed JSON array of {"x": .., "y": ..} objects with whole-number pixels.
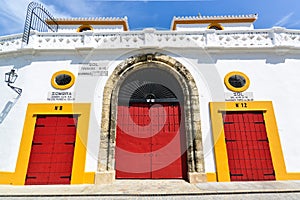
[
  {"x": 132, "y": 141},
  {"x": 38, "y": 157},
  {"x": 63, "y": 148},
  {"x": 143, "y": 133},
  {"x": 52, "y": 150},
  {"x": 61, "y": 167},
  {"x": 37, "y": 178},
  {"x": 40, "y": 131},
  {"x": 247, "y": 145},
  {"x": 130, "y": 165},
  {"x": 39, "y": 167},
  {"x": 176, "y": 169},
  {"x": 63, "y": 157},
  {"x": 59, "y": 178},
  {"x": 46, "y": 121},
  {"x": 68, "y": 120}
]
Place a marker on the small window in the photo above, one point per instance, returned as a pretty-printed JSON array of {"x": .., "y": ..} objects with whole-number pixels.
[
  {"x": 215, "y": 27},
  {"x": 62, "y": 80},
  {"x": 236, "y": 81},
  {"x": 85, "y": 28}
]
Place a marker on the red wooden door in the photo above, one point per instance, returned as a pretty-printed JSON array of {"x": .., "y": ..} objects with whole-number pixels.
[
  {"x": 52, "y": 150},
  {"x": 149, "y": 142},
  {"x": 248, "y": 150}
]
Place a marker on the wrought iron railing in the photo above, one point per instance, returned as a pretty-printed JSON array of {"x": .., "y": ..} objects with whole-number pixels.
[{"x": 36, "y": 20}]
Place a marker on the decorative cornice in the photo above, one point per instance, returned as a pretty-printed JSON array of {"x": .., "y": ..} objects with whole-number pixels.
[
  {"x": 111, "y": 21},
  {"x": 219, "y": 17},
  {"x": 213, "y": 19},
  {"x": 91, "y": 18},
  {"x": 262, "y": 39}
]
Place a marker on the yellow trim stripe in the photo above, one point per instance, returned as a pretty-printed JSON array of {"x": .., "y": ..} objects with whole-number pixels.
[{"x": 211, "y": 177}]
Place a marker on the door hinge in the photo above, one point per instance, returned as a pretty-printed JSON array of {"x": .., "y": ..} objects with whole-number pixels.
[
  {"x": 231, "y": 174},
  {"x": 229, "y": 140},
  {"x": 70, "y": 143},
  {"x": 37, "y": 143}
]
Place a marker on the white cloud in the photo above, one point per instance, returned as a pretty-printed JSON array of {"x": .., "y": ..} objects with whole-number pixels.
[
  {"x": 13, "y": 15},
  {"x": 54, "y": 11},
  {"x": 77, "y": 7},
  {"x": 14, "y": 10},
  {"x": 284, "y": 20},
  {"x": 74, "y": 7}
]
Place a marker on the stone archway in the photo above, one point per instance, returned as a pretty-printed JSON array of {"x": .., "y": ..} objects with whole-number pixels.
[{"x": 106, "y": 160}]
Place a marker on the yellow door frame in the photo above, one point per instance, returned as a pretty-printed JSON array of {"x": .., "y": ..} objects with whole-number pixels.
[
  {"x": 79, "y": 176},
  {"x": 221, "y": 158}
]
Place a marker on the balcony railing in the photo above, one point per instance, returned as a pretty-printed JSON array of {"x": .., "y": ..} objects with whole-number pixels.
[{"x": 259, "y": 38}]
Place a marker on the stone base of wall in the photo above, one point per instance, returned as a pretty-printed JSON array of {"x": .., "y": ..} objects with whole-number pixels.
[
  {"x": 195, "y": 177},
  {"x": 108, "y": 177},
  {"x": 105, "y": 177}
]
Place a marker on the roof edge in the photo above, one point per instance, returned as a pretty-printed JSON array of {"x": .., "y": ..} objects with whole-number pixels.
[
  {"x": 213, "y": 19},
  {"x": 110, "y": 21}
]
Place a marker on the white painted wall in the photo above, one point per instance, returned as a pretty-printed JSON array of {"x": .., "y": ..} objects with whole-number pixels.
[
  {"x": 274, "y": 77},
  {"x": 278, "y": 82}
]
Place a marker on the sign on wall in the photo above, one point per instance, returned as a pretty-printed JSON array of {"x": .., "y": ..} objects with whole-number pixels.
[
  {"x": 61, "y": 96},
  {"x": 92, "y": 69},
  {"x": 239, "y": 96}
]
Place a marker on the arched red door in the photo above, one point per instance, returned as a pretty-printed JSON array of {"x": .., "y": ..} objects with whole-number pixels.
[{"x": 150, "y": 142}]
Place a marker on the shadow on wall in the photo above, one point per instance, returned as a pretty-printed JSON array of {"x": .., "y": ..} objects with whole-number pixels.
[{"x": 9, "y": 105}]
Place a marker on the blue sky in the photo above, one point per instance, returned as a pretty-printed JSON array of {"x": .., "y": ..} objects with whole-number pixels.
[{"x": 154, "y": 13}]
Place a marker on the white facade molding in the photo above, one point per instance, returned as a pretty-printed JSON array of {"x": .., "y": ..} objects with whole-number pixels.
[
  {"x": 263, "y": 38},
  {"x": 10, "y": 43}
]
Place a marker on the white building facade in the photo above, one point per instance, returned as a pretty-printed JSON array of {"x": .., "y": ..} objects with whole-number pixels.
[{"x": 213, "y": 99}]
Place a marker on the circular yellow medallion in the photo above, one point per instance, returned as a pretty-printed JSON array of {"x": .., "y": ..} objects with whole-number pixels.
[
  {"x": 237, "y": 81},
  {"x": 62, "y": 80}
]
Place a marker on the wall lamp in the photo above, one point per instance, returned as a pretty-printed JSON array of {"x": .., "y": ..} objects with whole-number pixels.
[{"x": 10, "y": 77}]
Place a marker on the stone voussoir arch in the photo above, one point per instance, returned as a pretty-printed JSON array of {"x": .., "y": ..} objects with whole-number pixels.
[{"x": 105, "y": 169}]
